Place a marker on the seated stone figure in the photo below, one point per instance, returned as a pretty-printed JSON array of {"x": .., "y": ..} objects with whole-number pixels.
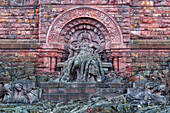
[{"x": 85, "y": 64}]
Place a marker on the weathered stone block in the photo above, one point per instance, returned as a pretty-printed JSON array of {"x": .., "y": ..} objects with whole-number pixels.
[{"x": 91, "y": 90}]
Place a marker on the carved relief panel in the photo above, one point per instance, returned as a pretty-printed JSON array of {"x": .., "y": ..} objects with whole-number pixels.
[
  {"x": 67, "y": 26},
  {"x": 72, "y": 31}
]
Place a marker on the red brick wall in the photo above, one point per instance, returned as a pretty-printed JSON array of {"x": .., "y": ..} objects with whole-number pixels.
[
  {"x": 19, "y": 38},
  {"x": 144, "y": 25},
  {"x": 150, "y": 38},
  {"x": 19, "y": 24}
]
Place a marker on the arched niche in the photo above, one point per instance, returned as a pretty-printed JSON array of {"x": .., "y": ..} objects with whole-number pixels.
[{"x": 66, "y": 27}]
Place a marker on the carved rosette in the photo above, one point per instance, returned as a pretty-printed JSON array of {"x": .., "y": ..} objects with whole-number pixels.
[{"x": 67, "y": 26}]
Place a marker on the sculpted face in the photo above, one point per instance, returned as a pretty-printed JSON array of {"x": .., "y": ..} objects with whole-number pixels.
[
  {"x": 18, "y": 87},
  {"x": 7, "y": 89}
]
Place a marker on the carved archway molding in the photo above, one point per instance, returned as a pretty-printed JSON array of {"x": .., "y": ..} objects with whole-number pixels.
[{"x": 55, "y": 36}]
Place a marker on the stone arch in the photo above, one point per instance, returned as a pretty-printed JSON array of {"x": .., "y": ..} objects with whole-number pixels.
[
  {"x": 111, "y": 31},
  {"x": 97, "y": 30}
]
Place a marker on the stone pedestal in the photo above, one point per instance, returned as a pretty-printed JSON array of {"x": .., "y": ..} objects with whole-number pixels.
[{"x": 58, "y": 92}]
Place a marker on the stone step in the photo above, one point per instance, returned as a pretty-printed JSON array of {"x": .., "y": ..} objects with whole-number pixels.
[
  {"x": 66, "y": 91},
  {"x": 84, "y": 85},
  {"x": 134, "y": 90},
  {"x": 74, "y": 96},
  {"x": 85, "y": 90},
  {"x": 140, "y": 83},
  {"x": 65, "y": 97}
]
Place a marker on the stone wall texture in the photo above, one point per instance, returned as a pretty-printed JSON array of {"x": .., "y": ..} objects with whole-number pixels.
[{"x": 143, "y": 27}]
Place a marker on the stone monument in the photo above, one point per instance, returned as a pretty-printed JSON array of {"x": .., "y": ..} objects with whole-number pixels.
[{"x": 83, "y": 64}]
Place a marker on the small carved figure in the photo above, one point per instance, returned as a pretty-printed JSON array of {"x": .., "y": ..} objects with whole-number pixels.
[
  {"x": 33, "y": 95},
  {"x": 73, "y": 49},
  {"x": 8, "y": 98},
  {"x": 19, "y": 94},
  {"x": 4, "y": 76}
]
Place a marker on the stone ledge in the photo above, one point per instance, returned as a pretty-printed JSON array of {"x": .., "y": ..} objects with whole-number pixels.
[
  {"x": 19, "y": 46},
  {"x": 52, "y": 91},
  {"x": 104, "y": 64},
  {"x": 84, "y": 85},
  {"x": 65, "y": 97},
  {"x": 12, "y": 3}
]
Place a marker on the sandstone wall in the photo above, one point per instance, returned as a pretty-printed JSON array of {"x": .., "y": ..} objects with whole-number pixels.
[
  {"x": 144, "y": 25},
  {"x": 150, "y": 34},
  {"x": 19, "y": 38}
]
